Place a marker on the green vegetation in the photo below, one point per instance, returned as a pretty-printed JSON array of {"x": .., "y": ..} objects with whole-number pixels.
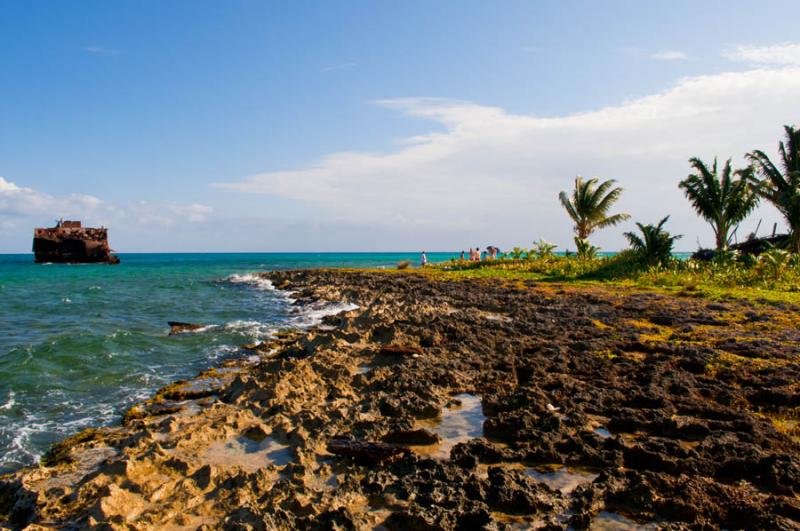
[
  {"x": 720, "y": 199},
  {"x": 589, "y": 205},
  {"x": 773, "y": 276},
  {"x": 542, "y": 249},
  {"x": 781, "y": 187},
  {"x": 586, "y": 251},
  {"x": 723, "y": 199},
  {"x": 517, "y": 253},
  {"x": 654, "y": 246}
]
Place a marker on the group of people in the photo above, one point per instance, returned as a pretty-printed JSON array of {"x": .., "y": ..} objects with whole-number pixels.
[{"x": 475, "y": 255}]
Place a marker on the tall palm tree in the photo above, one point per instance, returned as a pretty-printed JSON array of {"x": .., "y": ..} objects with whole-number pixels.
[
  {"x": 589, "y": 205},
  {"x": 721, "y": 200},
  {"x": 781, "y": 187},
  {"x": 655, "y": 244}
]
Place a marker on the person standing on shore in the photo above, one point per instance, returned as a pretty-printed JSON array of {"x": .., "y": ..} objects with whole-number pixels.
[
  {"x": 423, "y": 260},
  {"x": 462, "y": 256}
]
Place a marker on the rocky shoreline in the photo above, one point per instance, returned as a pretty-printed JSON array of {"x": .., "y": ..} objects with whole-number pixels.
[{"x": 492, "y": 405}]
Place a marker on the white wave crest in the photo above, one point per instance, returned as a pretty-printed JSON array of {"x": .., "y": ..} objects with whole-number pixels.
[
  {"x": 313, "y": 314},
  {"x": 253, "y": 329},
  {"x": 253, "y": 279},
  {"x": 260, "y": 283},
  {"x": 202, "y": 329},
  {"x": 10, "y": 402}
]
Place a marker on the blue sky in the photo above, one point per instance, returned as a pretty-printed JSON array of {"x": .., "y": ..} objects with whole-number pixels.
[{"x": 270, "y": 126}]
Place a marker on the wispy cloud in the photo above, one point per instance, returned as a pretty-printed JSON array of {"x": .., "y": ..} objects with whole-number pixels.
[
  {"x": 339, "y": 66},
  {"x": 787, "y": 53},
  {"x": 670, "y": 55},
  {"x": 101, "y": 50},
  {"x": 27, "y": 206},
  {"x": 493, "y": 175}
]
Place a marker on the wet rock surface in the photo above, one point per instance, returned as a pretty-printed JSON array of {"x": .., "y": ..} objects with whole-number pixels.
[{"x": 559, "y": 407}]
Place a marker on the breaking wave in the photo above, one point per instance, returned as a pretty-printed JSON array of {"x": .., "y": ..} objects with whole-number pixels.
[
  {"x": 252, "y": 279},
  {"x": 312, "y": 314},
  {"x": 10, "y": 402},
  {"x": 68, "y": 376}
]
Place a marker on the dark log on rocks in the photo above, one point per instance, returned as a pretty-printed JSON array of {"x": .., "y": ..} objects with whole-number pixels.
[
  {"x": 372, "y": 452},
  {"x": 177, "y": 327},
  {"x": 400, "y": 350}
]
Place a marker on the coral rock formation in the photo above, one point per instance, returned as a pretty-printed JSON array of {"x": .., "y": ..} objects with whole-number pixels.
[{"x": 594, "y": 405}]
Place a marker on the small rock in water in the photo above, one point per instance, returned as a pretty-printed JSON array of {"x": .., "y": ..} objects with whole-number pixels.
[{"x": 177, "y": 327}]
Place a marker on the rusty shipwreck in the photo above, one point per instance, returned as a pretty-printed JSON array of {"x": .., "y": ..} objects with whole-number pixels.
[{"x": 70, "y": 243}]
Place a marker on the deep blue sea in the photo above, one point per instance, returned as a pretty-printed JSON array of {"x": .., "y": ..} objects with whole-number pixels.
[{"x": 79, "y": 344}]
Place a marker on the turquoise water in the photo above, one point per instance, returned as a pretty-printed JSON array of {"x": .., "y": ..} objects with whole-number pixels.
[{"x": 79, "y": 344}]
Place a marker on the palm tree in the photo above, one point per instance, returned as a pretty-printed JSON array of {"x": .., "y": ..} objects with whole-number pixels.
[
  {"x": 589, "y": 205},
  {"x": 655, "y": 244},
  {"x": 720, "y": 199},
  {"x": 781, "y": 187}
]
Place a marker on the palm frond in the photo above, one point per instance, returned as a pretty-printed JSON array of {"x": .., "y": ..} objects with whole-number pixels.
[
  {"x": 590, "y": 203},
  {"x": 781, "y": 187},
  {"x": 718, "y": 198}
]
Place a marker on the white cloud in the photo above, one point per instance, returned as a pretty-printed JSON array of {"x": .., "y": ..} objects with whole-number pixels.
[
  {"x": 6, "y": 186},
  {"x": 339, "y": 66},
  {"x": 494, "y": 176},
  {"x": 22, "y": 206},
  {"x": 787, "y": 53},
  {"x": 20, "y": 202},
  {"x": 670, "y": 55},
  {"x": 167, "y": 214}
]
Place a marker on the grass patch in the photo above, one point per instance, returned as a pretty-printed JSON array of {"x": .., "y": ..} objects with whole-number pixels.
[{"x": 719, "y": 281}]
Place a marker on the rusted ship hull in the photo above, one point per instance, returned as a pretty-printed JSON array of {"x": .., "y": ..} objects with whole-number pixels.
[{"x": 69, "y": 243}]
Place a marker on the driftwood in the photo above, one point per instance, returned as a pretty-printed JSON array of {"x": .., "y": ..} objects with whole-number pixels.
[
  {"x": 177, "y": 327},
  {"x": 372, "y": 452},
  {"x": 400, "y": 350}
]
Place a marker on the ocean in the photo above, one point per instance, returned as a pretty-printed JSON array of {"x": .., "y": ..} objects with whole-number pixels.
[{"x": 80, "y": 344}]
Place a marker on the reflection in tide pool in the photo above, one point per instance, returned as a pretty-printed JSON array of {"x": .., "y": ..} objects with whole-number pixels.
[
  {"x": 606, "y": 521},
  {"x": 458, "y": 423},
  {"x": 247, "y": 453},
  {"x": 562, "y": 478},
  {"x": 602, "y": 432}
]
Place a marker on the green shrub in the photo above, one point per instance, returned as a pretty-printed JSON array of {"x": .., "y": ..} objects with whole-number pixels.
[
  {"x": 586, "y": 251},
  {"x": 654, "y": 246}
]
